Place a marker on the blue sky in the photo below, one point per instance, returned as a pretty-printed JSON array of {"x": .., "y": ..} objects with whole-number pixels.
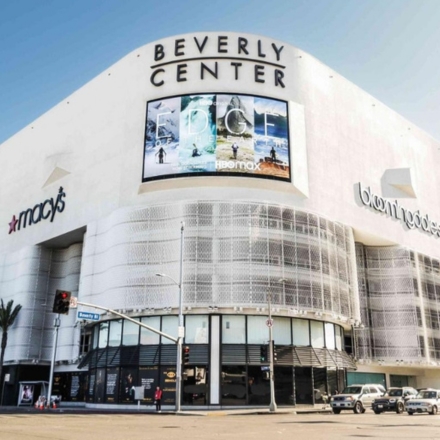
[{"x": 50, "y": 48}]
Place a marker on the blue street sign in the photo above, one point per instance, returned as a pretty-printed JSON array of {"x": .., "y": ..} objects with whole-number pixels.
[{"x": 89, "y": 316}]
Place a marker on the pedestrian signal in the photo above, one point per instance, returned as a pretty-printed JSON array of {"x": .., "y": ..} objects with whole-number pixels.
[
  {"x": 274, "y": 352},
  {"x": 263, "y": 353}
]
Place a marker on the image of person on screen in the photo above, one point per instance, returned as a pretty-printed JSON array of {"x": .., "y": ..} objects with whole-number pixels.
[
  {"x": 161, "y": 153},
  {"x": 196, "y": 151},
  {"x": 235, "y": 149},
  {"x": 273, "y": 154}
]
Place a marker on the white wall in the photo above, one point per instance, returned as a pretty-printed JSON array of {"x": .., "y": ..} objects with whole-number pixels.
[{"x": 97, "y": 135}]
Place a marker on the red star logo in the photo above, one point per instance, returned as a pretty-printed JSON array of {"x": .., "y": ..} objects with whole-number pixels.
[{"x": 13, "y": 224}]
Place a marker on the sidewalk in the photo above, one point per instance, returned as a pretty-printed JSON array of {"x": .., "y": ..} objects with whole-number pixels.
[{"x": 150, "y": 411}]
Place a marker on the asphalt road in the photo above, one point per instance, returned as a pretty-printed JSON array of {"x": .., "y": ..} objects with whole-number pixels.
[{"x": 218, "y": 426}]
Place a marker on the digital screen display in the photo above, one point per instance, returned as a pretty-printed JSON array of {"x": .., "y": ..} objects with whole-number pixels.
[{"x": 214, "y": 134}]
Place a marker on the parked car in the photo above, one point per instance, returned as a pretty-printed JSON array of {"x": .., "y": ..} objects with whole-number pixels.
[
  {"x": 394, "y": 400},
  {"x": 356, "y": 398},
  {"x": 426, "y": 401}
]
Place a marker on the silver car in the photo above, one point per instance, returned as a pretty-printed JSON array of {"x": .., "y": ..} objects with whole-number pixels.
[{"x": 356, "y": 398}]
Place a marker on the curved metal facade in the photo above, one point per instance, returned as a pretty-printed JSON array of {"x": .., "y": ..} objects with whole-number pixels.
[{"x": 234, "y": 253}]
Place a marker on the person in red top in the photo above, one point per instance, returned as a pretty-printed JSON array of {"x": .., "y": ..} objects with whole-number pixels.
[{"x": 157, "y": 398}]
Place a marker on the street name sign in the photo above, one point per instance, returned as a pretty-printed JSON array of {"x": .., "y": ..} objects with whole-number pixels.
[{"x": 88, "y": 316}]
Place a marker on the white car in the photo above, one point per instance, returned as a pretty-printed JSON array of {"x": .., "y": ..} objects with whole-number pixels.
[{"x": 427, "y": 401}]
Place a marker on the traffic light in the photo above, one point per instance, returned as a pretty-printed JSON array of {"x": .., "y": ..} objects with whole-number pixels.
[
  {"x": 61, "y": 302},
  {"x": 263, "y": 353},
  {"x": 274, "y": 352},
  {"x": 186, "y": 355}
]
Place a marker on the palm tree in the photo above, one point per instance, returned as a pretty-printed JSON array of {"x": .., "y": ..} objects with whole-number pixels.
[{"x": 7, "y": 318}]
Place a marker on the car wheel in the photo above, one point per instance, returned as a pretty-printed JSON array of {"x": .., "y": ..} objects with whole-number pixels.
[
  {"x": 399, "y": 408},
  {"x": 433, "y": 411},
  {"x": 336, "y": 411},
  {"x": 377, "y": 412},
  {"x": 358, "y": 408},
  {"x": 410, "y": 413}
]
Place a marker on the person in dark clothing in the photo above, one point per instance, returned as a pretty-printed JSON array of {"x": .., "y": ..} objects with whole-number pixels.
[
  {"x": 273, "y": 154},
  {"x": 195, "y": 152},
  {"x": 161, "y": 153}
]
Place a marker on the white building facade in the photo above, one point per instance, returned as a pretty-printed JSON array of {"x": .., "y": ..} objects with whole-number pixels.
[{"x": 293, "y": 185}]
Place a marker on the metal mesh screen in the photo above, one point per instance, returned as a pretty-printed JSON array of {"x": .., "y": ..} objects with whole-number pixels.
[
  {"x": 234, "y": 253},
  {"x": 390, "y": 330}
]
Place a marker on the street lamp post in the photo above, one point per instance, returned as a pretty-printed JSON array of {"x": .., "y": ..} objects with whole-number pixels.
[
  {"x": 273, "y": 405},
  {"x": 181, "y": 329}
]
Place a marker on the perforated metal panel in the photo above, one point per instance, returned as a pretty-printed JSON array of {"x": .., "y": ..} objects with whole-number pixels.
[
  {"x": 388, "y": 293},
  {"x": 234, "y": 254}
]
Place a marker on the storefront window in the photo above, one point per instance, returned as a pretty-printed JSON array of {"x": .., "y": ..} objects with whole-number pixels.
[
  {"x": 130, "y": 334},
  {"x": 103, "y": 334},
  {"x": 129, "y": 379},
  {"x": 148, "y": 337},
  {"x": 233, "y": 385},
  {"x": 169, "y": 326},
  {"x": 300, "y": 332},
  {"x": 258, "y": 385},
  {"x": 95, "y": 336},
  {"x": 197, "y": 329},
  {"x": 339, "y": 337},
  {"x": 320, "y": 385},
  {"x": 303, "y": 386},
  {"x": 257, "y": 330},
  {"x": 317, "y": 334},
  {"x": 115, "y": 333},
  {"x": 329, "y": 335},
  {"x": 233, "y": 329}
]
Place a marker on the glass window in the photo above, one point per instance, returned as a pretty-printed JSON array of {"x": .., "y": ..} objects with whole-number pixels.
[
  {"x": 317, "y": 334},
  {"x": 197, "y": 329},
  {"x": 281, "y": 331},
  {"x": 95, "y": 336},
  {"x": 233, "y": 385},
  {"x": 169, "y": 326},
  {"x": 233, "y": 329},
  {"x": 329, "y": 335},
  {"x": 114, "y": 339},
  {"x": 257, "y": 330},
  {"x": 130, "y": 334},
  {"x": 339, "y": 335},
  {"x": 103, "y": 334},
  {"x": 147, "y": 336},
  {"x": 300, "y": 332}
]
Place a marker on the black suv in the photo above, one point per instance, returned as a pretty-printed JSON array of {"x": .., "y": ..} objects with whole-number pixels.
[{"x": 393, "y": 400}]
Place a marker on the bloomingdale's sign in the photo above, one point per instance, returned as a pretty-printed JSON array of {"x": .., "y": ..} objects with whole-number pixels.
[
  {"x": 41, "y": 211},
  {"x": 218, "y": 56},
  {"x": 411, "y": 219}
]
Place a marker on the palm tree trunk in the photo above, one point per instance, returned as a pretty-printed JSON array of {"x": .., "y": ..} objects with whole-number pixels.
[{"x": 2, "y": 356}]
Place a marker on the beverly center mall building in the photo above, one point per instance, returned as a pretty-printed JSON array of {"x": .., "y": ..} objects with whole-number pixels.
[{"x": 294, "y": 186}]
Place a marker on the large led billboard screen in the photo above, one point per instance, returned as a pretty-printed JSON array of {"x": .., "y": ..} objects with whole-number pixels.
[{"x": 216, "y": 134}]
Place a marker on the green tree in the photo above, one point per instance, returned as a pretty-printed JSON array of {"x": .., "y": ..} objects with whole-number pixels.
[{"x": 7, "y": 318}]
